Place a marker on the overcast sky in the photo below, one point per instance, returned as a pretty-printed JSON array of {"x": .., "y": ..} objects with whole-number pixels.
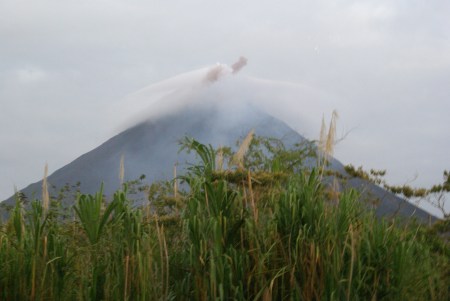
[{"x": 386, "y": 64}]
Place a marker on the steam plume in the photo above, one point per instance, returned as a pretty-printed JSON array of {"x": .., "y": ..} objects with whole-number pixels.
[
  {"x": 215, "y": 73},
  {"x": 239, "y": 64},
  {"x": 220, "y": 70},
  {"x": 299, "y": 105}
]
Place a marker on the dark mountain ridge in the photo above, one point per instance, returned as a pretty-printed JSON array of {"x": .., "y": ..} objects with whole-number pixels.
[{"x": 151, "y": 148}]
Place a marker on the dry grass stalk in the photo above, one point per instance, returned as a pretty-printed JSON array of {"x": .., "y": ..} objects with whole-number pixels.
[
  {"x": 122, "y": 169},
  {"x": 267, "y": 296},
  {"x": 252, "y": 198},
  {"x": 45, "y": 194},
  {"x": 352, "y": 262},
  {"x": 164, "y": 256},
  {"x": 125, "y": 291},
  {"x": 335, "y": 190},
  {"x": 45, "y": 246},
  {"x": 166, "y": 253},
  {"x": 238, "y": 158},
  {"x": 160, "y": 244}
]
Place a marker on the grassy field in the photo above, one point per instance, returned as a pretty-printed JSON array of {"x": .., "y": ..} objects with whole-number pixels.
[{"x": 250, "y": 225}]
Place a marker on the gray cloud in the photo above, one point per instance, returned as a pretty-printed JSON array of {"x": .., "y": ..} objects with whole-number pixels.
[{"x": 384, "y": 64}]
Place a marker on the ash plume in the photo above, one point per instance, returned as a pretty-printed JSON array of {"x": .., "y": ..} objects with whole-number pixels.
[
  {"x": 236, "y": 67},
  {"x": 215, "y": 73},
  {"x": 221, "y": 70}
]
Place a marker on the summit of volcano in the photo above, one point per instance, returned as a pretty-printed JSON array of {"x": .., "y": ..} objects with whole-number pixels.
[{"x": 214, "y": 105}]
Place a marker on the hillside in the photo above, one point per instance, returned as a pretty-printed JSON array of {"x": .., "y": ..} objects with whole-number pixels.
[{"x": 151, "y": 148}]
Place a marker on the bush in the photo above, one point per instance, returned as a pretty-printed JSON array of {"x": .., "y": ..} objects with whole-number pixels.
[{"x": 262, "y": 231}]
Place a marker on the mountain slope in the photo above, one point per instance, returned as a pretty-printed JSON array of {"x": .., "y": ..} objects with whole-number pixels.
[
  {"x": 151, "y": 148},
  {"x": 215, "y": 107}
]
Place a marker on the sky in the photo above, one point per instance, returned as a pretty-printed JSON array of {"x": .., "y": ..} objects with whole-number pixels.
[{"x": 384, "y": 65}]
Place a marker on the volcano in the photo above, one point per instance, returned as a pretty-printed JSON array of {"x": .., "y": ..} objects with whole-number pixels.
[{"x": 209, "y": 105}]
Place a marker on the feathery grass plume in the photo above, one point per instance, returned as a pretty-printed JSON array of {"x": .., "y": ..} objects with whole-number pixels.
[
  {"x": 331, "y": 137},
  {"x": 238, "y": 158},
  {"x": 322, "y": 139},
  {"x": 45, "y": 195},
  {"x": 323, "y": 134},
  {"x": 122, "y": 169},
  {"x": 327, "y": 140}
]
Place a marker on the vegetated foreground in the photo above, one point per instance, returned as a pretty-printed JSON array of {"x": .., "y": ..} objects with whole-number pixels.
[{"x": 260, "y": 226}]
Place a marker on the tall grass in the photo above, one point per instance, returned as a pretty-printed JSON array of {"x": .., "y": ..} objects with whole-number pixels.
[{"x": 265, "y": 230}]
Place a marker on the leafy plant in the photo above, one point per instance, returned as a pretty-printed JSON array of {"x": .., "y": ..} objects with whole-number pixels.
[{"x": 264, "y": 229}]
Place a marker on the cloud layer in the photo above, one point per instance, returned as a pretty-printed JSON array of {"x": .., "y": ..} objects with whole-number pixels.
[{"x": 385, "y": 64}]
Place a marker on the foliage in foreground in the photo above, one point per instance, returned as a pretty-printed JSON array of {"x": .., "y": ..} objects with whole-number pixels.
[{"x": 265, "y": 230}]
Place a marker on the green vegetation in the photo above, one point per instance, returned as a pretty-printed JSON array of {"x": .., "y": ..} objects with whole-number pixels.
[
  {"x": 250, "y": 225},
  {"x": 434, "y": 195}
]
